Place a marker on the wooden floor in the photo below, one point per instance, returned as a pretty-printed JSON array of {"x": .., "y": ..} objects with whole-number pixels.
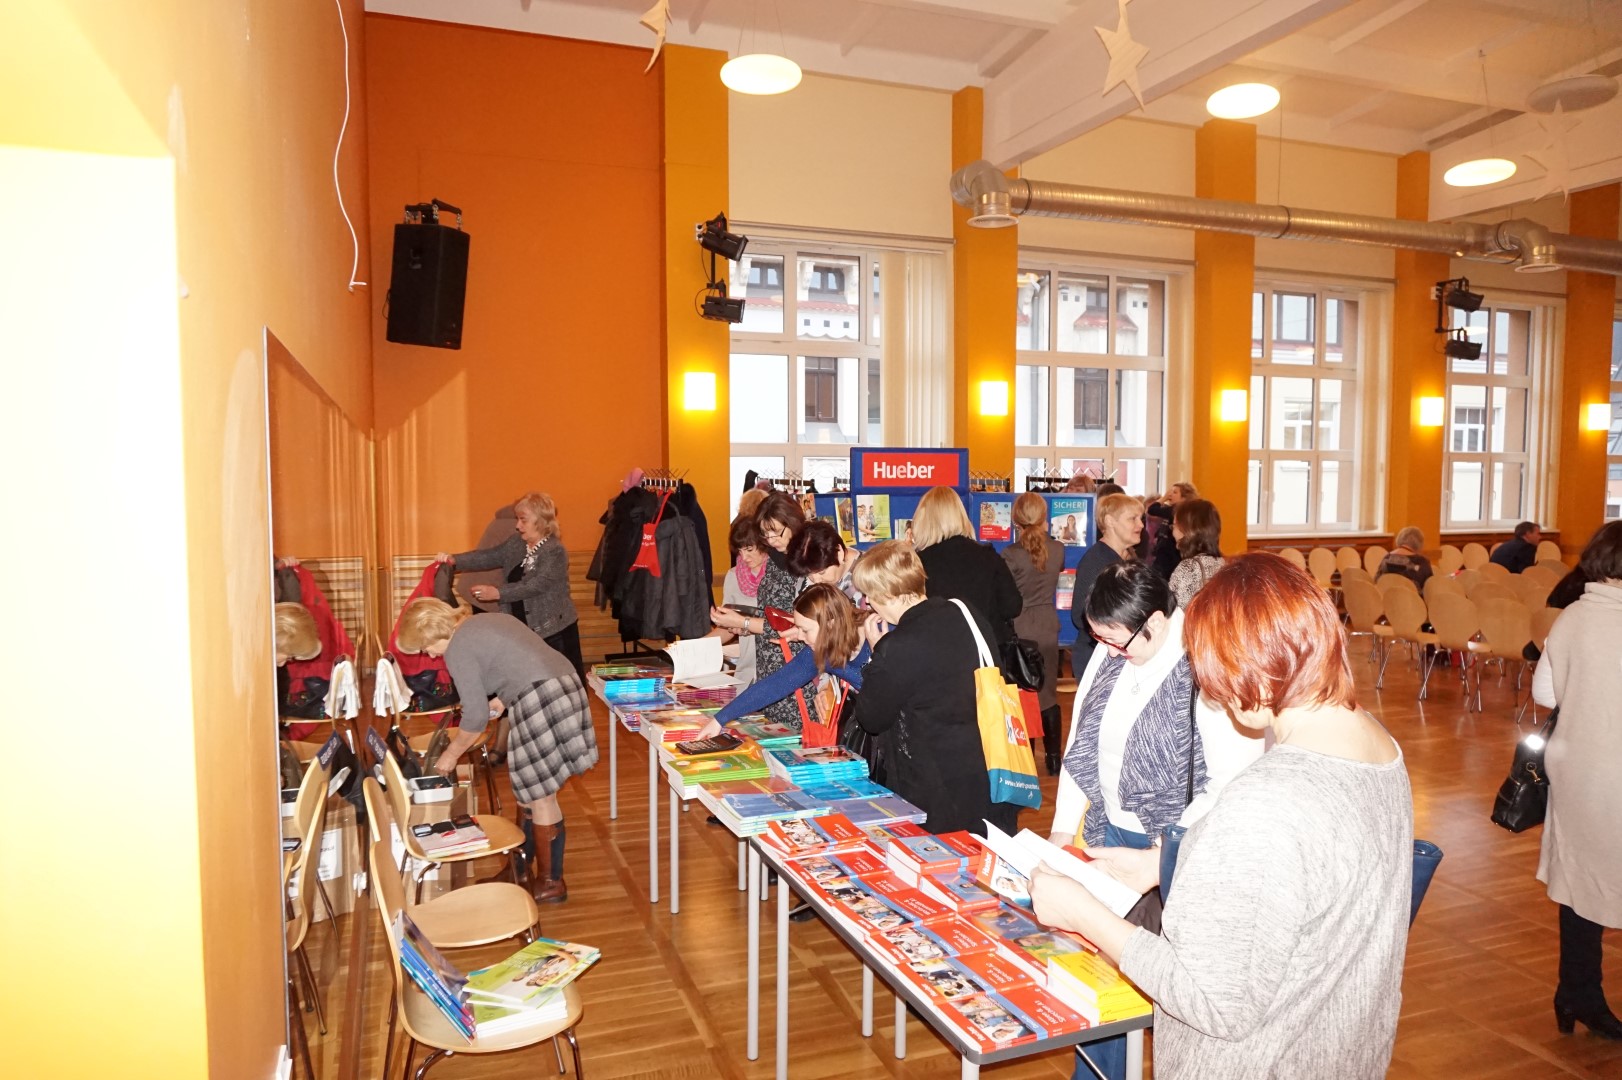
[{"x": 667, "y": 998}]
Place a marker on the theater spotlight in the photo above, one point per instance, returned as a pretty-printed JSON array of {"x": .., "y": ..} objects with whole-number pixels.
[
  {"x": 1460, "y": 347},
  {"x": 1456, "y": 294},
  {"x": 723, "y": 308},
  {"x": 716, "y": 240}
]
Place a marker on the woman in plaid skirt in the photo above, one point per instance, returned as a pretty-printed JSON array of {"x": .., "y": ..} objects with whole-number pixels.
[{"x": 495, "y": 656}]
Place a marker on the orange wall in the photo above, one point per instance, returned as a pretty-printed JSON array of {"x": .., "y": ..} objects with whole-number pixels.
[
  {"x": 552, "y": 149},
  {"x": 1590, "y": 309}
]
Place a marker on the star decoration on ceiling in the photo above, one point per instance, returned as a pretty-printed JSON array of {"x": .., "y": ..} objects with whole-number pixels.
[
  {"x": 1124, "y": 54},
  {"x": 1555, "y": 153},
  {"x": 656, "y": 18}
]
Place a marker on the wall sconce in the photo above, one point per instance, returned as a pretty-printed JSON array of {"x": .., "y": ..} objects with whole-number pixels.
[
  {"x": 1432, "y": 411},
  {"x": 1597, "y": 416},
  {"x": 993, "y": 398},
  {"x": 1235, "y": 405},
  {"x": 698, "y": 391}
]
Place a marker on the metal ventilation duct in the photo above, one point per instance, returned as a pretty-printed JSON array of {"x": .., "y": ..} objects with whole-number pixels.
[{"x": 995, "y": 200}]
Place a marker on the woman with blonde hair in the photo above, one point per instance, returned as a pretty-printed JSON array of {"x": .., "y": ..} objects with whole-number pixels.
[
  {"x": 537, "y": 569},
  {"x": 1120, "y": 527},
  {"x": 1405, "y": 558},
  {"x": 1036, "y": 559},
  {"x": 959, "y": 567},
  {"x": 493, "y": 656}
]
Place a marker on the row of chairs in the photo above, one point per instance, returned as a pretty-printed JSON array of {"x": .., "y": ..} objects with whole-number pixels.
[
  {"x": 1531, "y": 588},
  {"x": 1323, "y": 564}
]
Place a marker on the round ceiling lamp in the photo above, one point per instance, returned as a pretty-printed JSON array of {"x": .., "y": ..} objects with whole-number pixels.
[
  {"x": 1572, "y": 95},
  {"x": 1241, "y": 101},
  {"x": 760, "y": 73},
  {"x": 1479, "y": 172}
]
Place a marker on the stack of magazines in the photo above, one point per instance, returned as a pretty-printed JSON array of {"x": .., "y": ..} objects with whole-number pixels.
[{"x": 816, "y": 765}]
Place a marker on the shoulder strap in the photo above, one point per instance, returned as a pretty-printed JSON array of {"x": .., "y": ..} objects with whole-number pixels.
[
  {"x": 1193, "y": 707},
  {"x": 974, "y": 628}
]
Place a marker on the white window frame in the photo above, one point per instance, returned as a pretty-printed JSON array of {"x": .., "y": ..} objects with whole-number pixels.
[
  {"x": 1539, "y": 350},
  {"x": 1612, "y": 494}
]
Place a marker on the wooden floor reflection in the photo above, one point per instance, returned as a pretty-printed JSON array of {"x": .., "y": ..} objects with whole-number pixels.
[{"x": 667, "y": 998}]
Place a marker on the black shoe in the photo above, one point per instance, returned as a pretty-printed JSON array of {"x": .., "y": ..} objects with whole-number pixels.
[
  {"x": 1053, "y": 764},
  {"x": 1600, "y": 1021},
  {"x": 803, "y": 913},
  {"x": 711, "y": 819}
]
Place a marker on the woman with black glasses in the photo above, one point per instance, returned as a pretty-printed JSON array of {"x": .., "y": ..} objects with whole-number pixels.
[{"x": 1127, "y": 764}]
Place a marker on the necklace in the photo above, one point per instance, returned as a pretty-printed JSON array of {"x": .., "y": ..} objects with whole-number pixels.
[{"x": 1137, "y": 683}]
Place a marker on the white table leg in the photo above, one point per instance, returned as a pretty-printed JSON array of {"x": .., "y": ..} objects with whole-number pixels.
[
  {"x": 900, "y": 1026},
  {"x": 675, "y": 852},
  {"x": 782, "y": 978},
  {"x": 653, "y": 823},
  {"x": 867, "y": 1002},
  {"x": 971, "y": 1071},
  {"x": 743, "y": 885},
  {"x": 1134, "y": 1055},
  {"x": 752, "y": 872},
  {"x": 613, "y": 766}
]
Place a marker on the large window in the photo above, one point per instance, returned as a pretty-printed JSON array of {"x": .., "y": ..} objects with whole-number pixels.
[
  {"x": 806, "y": 370},
  {"x": 1613, "y": 441},
  {"x": 1487, "y": 466},
  {"x": 1306, "y": 353},
  {"x": 1089, "y": 385}
]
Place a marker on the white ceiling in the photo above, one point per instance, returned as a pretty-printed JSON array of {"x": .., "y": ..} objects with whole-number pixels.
[{"x": 1450, "y": 76}]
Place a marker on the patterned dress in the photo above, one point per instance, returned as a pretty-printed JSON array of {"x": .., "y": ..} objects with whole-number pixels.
[{"x": 778, "y": 589}]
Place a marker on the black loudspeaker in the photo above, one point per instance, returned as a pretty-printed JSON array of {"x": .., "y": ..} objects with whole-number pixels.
[{"x": 428, "y": 286}]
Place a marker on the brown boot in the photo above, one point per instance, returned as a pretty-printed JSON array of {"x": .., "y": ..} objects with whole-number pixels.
[{"x": 548, "y": 886}]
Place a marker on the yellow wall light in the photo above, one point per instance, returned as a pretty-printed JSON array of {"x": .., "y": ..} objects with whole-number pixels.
[
  {"x": 1235, "y": 405},
  {"x": 994, "y": 398},
  {"x": 698, "y": 391},
  {"x": 1432, "y": 411},
  {"x": 1597, "y": 416}
]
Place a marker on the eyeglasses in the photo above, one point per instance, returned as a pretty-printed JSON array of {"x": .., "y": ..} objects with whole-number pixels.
[
  {"x": 1123, "y": 647},
  {"x": 773, "y": 534}
]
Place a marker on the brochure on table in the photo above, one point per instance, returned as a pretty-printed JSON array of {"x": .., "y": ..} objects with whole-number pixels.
[{"x": 888, "y": 481}]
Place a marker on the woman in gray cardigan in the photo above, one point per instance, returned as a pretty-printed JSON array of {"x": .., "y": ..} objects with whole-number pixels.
[{"x": 537, "y": 569}]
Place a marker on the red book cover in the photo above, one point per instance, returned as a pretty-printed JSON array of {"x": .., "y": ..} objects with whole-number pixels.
[
  {"x": 925, "y": 854},
  {"x": 991, "y": 1021},
  {"x": 941, "y": 979},
  {"x": 962, "y": 841},
  {"x": 890, "y": 830},
  {"x": 960, "y": 892},
  {"x": 862, "y": 862},
  {"x": 838, "y": 830},
  {"x": 994, "y": 971},
  {"x": 958, "y": 936},
  {"x": 1042, "y": 1011}
]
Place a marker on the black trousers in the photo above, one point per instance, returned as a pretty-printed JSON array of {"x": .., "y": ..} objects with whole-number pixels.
[
  {"x": 567, "y": 642},
  {"x": 1581, "y": 962}
]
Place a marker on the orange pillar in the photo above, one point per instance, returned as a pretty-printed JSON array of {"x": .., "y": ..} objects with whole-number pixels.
[
  {"x": 985, "y": 266},
  {"x": 697, "y": 439},
  {"x": 1224, "y": 278},
  {"x": 1586, "y": 379},
  {"x": 1418, "y": 370}
]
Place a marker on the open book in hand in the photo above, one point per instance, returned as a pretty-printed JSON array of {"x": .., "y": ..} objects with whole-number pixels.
[
  {"x": 698, "y": 663},
  {"x": 1019, "y": 855}
]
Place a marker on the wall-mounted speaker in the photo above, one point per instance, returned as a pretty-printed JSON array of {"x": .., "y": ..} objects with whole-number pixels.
[{"x": 428, "y": 285}]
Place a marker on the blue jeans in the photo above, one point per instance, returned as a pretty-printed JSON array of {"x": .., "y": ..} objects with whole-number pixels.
[{"x": 1109, "y": 1055}]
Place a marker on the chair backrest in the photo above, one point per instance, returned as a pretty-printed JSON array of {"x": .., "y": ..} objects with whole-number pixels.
[
  {"x": 378, "y": 814},
  {"x": 1294, "y": 555},
  {"x": 1373, "y": 556},
  {"x": 1364, "y": 604},
  {"x": 1474, "y": 555},
  {"x": 1492, "y": 590},
  {"x": 1467, "y": 579},
  {"x": 1321, "y": 564},
  {"x": 1554, "y": 566},
  {"x": 1450, "y": 561},
  {"x": 1405, "y": 611},
  {"x": 400, "y": 804},
  {"x": 1386, "y": 582},
  {"x": 1542, "y": 621},
  {"x": 1531, "y": 589},
  {"x": 1495, "y": 572},
  {"x": 1455, "y": 621},
  {"x": 390, "y": 896},
  {"x": 1438, "y": 583},
  {"x": 1355, "y": 573},
  {"x": 311, "y": 810},
  {"x": 1347, "y": 557},
  {"x": 1548, "y": 549},
  {"x": 1507, "y": 627}
]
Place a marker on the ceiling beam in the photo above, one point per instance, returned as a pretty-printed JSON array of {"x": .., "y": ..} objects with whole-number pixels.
[
  {"x": 865, "y": 20},
  {"x": 1375, "y": 23},
  {"x": 1053, "y": 94},
  {"x": 1188, "y": 110},
  {"x": 1005, "y": 49},
  {"x": 1491, "y": 45},
  {"x": 1467, "y": 124},
  {"x": 1031, "y": 14},
  {"x": 1362, "y": 108},
  {"x": 1543, "y": 11}
]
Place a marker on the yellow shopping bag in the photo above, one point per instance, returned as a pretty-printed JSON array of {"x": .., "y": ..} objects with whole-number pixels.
[{"x": 1009, "y": 761}]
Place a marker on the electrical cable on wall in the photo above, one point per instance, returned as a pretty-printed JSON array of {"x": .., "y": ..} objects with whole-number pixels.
[{"x": 354, "y": 241}]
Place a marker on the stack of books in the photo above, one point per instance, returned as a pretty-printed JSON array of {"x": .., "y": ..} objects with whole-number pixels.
[
  {"x": 437, "y": 976},
  {"x": 802, "y": 836},
  {"x": 458, "y": 836},
  {"x": 767, "y": 734},
  {"x": 745, "y": 764},
  {"x": 810, "y": 766},
  {"x": 643, "y": 688},
  {"x": 1090, "y": 985},
  {"x": 678, "y": 725},
  {"x": 527, "y": 987},
  {"x": 713, "y": 696}
]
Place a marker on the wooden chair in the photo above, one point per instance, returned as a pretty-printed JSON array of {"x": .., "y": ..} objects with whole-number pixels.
[
  {"x": 1495, "y": 572},
  {"x": 1364, "y": 607},
  {"x": 424, "y": 1024},
  {"x": 299, "y": 887},
  {"x": 1451, "y": 561},
  {"x": 1404, "y": 621},
  {"x": 1467, "y": 579},
  {"x": 1321, "y": 565},
  {"x": 1347, "y": 557},
  {"x": 1355, "y": 573},
  {"x": 1491, "y": 590},
  {"x": 1373, "y": 556},
  {"x": 505, "y": 837},
  {"x": 1506, "y": 630},
  {"x": 1554, "y": 566},
  {"x": 1456, "y": 623},
  {"x": 1531, "y": 588},
  {"x": 1438, "y": 583},
  {"x": 1387, "y": 582},
  {"x": 1294, "y": 555},
  {"x": 1542, "y": 620},
  {"x": 1548, "y": 549},
  {"x": 1475, "y": 556}
]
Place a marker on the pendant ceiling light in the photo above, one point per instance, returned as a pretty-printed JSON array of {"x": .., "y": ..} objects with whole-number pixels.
[
  {"x": 1478, "y": 172},
  {"x": 1241, "y": 101},
  {"x": 757, "y": 72}
]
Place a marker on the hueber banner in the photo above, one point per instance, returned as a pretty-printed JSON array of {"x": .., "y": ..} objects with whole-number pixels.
[{"x": 890, "y": 468}]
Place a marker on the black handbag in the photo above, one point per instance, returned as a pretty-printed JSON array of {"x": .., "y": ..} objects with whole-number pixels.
[
  {"x": 309, "y": 702},
  {"x": 428, "y": 693},
  {"x": 1523, "y": 797},
  {"x": 1022, "y": 663},
  {"x": 861, "y": 742}
]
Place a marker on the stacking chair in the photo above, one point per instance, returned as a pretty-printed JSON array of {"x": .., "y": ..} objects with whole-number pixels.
[
  {"x": 1347, "y": 557},
  {"x": 1387, "y": 582},
  {"x": 1547, "y": 572},
  {"x": 1355, "y": 573},
  {"x": 1373, "y": 556},
  {"x": 1451, "y": 561},
  {"x": 1495, "y": 572},
  {"x": 1404, "y": 621},
  {"x": 1437, "y": 583},
  {"x": 1542, "y": 620},
  {"x": 1467, "y": 579},
  {"x": 1364, "y": 606},
  {"x": 1548, "y": 549},
  {"x": 1455, "y": 622},
  {"x": 1531, "y": 588},
  {"x": 1492, "y": 590},
  {"x": 299, "y": 886},
  {"x": 424, "y": 1024},
  {"x": 1554, "y": 566},
  {"x": 505, "y": 837},
  {"x": 1294, "y": 555},
  {"x": 1506, "y": 629},
  {"x": 1475, "y": 556},
  {"x": 1321, "y": 565}
]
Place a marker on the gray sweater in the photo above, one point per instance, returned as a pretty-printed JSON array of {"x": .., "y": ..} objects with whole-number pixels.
[
  {"x": 1286, "y": 925},
  {"x": 544, "y": 589},
  {"x": 496, "y": 654}
]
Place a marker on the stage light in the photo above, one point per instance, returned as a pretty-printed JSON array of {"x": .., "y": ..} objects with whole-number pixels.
[
  {"x": 1460, "y": 347},
  {"x": 721, "y": 307},
  {"x": 714, "y": 238},
  {"x": 1456, "y": 294}
]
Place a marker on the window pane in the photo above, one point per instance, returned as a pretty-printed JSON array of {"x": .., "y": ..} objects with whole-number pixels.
[
  {"x": 1613, "y": 445},
  {"x": 1509, "y": 420},
  {"x": 1292, "y": 492},
  {"x": 875, "y": 401},
  {"x": 1334, "y": 493},
  {"x": 1093, "y": 467},
  {"x": 1464, "y": 491},
  {"x": 1294, "y": 328},
  {"x": 1028, "y": 466},
  {"x": 1508, "y": 490},
  {"x": 1258, "y": 415},
  {"x": 1289, "y": 425},
  {"x": 759, "y": 279},
  {"x": 1138, "y": 404},
  {"x": 1031, "y": 317},
  {"x": 828, "y": 303},
  {"x": 1474, "y": 325},
  {"x": 827, "y": 412},
  {"x": 1511, "y": 342},
  {"x": 828, "y": 472},
  {"x": 1334, "y": 415},
  {"x": 875, "y": 305},
  {"x": 1140, "y": 476},
  {"x": 1140, "y": 318},
  {"x": 1083, "y": 316},
  {"x": 1616, "y": 351},
  {"x": 1258, "y": 308},
  {"x": 1469, "y": 422},
  {"x": 1340, "y": 331},
  {"x": 1082, "y": 407},
  {"x": 1030, "y": 405},
  {"x": 759, "y": 398},
  {"x": 764, "y": 466},
  {"x": 1613, "y": 492},
  {"x": 1253, "y": 500}
]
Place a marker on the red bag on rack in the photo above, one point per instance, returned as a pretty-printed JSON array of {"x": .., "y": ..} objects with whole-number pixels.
[{"x": 647, "y": 555}]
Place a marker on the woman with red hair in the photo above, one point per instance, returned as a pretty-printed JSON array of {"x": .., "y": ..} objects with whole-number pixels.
[{"x": 1283, "y": 936}]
